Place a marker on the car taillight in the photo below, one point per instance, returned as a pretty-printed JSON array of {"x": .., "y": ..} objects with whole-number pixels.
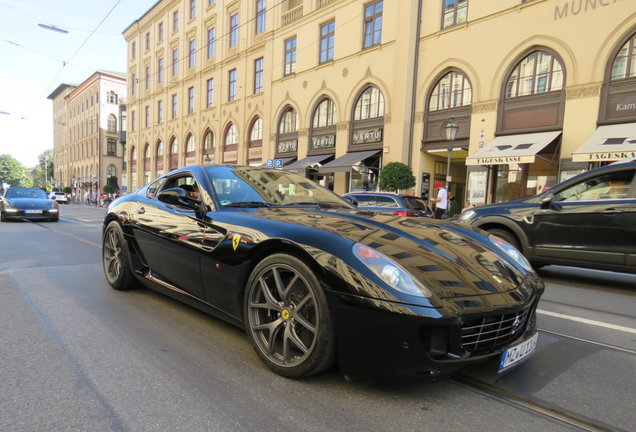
[{"x": 402, "y": 213}]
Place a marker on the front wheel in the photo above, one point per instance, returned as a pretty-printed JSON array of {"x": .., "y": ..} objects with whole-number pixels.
[
  {"x": 115, "y": 257},
  {"x": 507, "y": 236},
  {"x": 287, "y": 317}
]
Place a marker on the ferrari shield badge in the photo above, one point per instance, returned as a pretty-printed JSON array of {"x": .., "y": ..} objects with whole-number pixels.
[{"x": 236, "y": 239}]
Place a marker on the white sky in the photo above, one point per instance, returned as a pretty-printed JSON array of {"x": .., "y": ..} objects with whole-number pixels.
[{"x": 29, "y": 72}]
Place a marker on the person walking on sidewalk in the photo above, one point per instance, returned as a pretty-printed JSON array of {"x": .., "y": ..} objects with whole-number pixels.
[{"x": 441, "y": 202}]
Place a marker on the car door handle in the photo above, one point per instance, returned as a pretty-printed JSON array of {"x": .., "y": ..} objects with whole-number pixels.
[
  {"x": 612, "y": 211},
  {"x": 141, "y": 210}
]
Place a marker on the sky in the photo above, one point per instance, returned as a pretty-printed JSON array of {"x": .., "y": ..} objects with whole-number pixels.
[{"x": 35, "y": 61}]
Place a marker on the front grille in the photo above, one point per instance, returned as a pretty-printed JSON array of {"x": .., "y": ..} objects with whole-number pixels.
[{"x": 489, "y": 333}]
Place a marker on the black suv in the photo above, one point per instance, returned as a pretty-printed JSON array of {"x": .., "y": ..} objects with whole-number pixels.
[
  {"x": 390, "y": 203},
  {"x": 586, "y": 221}
]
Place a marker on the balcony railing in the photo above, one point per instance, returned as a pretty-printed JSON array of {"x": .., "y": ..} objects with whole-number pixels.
[{"x": 293, "y": 15}]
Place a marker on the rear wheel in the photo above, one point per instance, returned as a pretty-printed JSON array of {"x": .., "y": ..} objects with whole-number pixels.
[
  {"x": 115, "y": 257},
  {"x": 287, "y": 317},
  {"x": 507, "y": 236}
]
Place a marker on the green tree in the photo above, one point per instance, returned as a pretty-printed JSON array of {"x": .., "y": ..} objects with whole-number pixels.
[
  {"x": 12, "y": 172},
  {"x": 108, "y": 189},
  {"x": 396, "y": 176},
  {"x": 45, "y": 162}
]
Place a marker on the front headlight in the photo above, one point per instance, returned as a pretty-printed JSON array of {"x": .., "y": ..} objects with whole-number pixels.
[
  {"x": 10, "y": 210},
  {"x": 511, "y": 251},
  {"x": 466, "y": 215},
  {"x": 389, "y": 271}
]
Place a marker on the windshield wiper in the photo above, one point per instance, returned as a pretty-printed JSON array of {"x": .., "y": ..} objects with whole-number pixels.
[{"x": 248, "y": 204}]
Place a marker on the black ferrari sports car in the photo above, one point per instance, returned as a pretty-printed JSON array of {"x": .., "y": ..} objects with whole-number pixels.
[
  {"x": 27, "y": 203},
  {"x": 316, "y": 282}
]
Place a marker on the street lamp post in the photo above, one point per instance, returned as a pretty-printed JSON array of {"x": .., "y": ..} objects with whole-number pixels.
[
  {"x": 46, "y": 174},
  {"x": 451, "y": 131}
]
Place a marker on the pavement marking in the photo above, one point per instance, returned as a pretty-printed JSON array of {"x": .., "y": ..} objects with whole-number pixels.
[
  {"x": 614, "y": 347},
  {"x": 587, "y": 321}
]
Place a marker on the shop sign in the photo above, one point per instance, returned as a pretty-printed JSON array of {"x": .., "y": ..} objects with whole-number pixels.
[
  {"x": 255, "y": 152},
  {"x": 323, "y": 142},
  {"x": 287, "y": 146},
  {"x": 608, "y": 156},
  {"x": 426, "y": 185},
  {"x": 230, "y": 156},
  {"x": 500, "y": 160},
  {"x": 367, "y": 136}
]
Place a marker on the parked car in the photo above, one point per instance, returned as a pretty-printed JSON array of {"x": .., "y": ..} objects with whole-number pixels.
[
  {"x": 391, "y": 203},
  {"x": 586, "y": 221},
  {"x": 315, "y": 281},
  {"x": 60, "y": 197},
  {"x": 28, "y": 203}
]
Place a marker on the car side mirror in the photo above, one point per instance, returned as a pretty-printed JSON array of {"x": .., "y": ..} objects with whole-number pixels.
[
  {"x": 547, "y": 202},
  {"x": 351, "y": 200},
  {"x": 177, "y": 196}
]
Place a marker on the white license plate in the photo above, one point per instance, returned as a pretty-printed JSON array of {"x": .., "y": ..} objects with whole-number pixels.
[
  {"x": 514, "y": 355},
  {"x": 33, "y": 211}
]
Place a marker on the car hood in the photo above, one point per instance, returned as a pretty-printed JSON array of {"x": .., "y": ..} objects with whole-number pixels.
[
  {"x": 28, "y": 203},
  {"x": 452, "y": 260}
]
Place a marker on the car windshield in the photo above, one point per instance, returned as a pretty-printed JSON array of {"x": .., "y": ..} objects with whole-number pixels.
[
  {"x": 26, "y": 193},
  {"x": 260, "y": 187},
  {"x": 414, "y": 203}
]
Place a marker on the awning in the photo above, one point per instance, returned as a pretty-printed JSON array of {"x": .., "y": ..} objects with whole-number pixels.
[
  {"x": 517, "y": 149},
  {"x": 345, "y": 162},
  {"x": 309, "y": 161},
  {"x": 608, "y": 143}
]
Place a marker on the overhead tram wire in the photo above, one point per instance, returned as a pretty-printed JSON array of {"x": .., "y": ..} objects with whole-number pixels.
[{"x": 65, "y": 63}]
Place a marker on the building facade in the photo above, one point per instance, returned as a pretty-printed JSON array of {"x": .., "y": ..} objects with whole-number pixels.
[
  {"x": 336, "y": 89},
  {"x": 88, "y": 152}
]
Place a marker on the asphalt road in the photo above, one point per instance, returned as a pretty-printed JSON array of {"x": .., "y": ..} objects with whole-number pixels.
[{"x": 76, "y": 355}]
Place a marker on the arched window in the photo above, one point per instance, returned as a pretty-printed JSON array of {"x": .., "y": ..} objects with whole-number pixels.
[
  {"x": 451, "y": 91},
  {"x": 111, "y": 171},
  {"x": 190, "y": 146},
  {"x": 112, "y": 123},
  {"x": 324, "y": 114},
  {"x": 255, "y": 150},
  {"x": 323, "y": 128},
  {"x": 230, "y": 148},
  {"x": 539, "y": 72},
  {"x": 111, "y": 97},
  {"x": 174, "y": 154},
  {"x": 370, "y": 104},
  {"x": 147, "y": 157},
  {"x": 624, "y": 65},
  {"x": 133, "y": 159},
  {"x": 159, "y": 152},
  {"x": 208, "y": 147},
  {"x": 287, "y": 138}
]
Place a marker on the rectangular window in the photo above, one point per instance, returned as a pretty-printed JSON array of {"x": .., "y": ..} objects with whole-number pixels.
[
  {"x": 133, "y": 120},
  {"x": 211, "y": 2},
  {"x": 175, "y": 62},
  {"x": 290, "y": 56},
  {"x": 174, "y": 106},
  {"x": 111, "y": 147},
  {"x": 160, "y": 70},
  {"x": 209, "y": 98},
  {"x": 190, "y": 100},
  {"x": 232, "y": 85},
  {"x": 193, "y": 9},
  {"x": 258, "y": 75},
  {"x": 175, "y": 21},
  {"x": 372, "y": 24},
  {"x": 211, "y": 37},
  {"x": 160, "y": 111},
  {"x": 133, "y": 49},
  {"x": 160, "y": 32},
  {"x": 192, "y": 51},
  {"x": 327, "y": 37},
  {"x": 147, "y": 113},
  {"x": 455, "y": 12},
  {"x": 147, "y": 41},
  {"x": 147, "y": 77},
  {"x": 234, "y": 24},
  {"x": 133, "y": 84},
  {"x": 260, "y": 16}
]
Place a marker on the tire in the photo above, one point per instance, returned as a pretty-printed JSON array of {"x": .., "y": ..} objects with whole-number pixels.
[
  {"x": 507, "y": 236},
  {"x": 115, "y": 258},
  {"x": 287, "y": 318}
]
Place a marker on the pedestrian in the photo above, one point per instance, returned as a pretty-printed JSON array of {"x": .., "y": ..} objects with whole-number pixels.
[
  {"x": 87, "y": 198},
  {"x": 441, "y": 202}
]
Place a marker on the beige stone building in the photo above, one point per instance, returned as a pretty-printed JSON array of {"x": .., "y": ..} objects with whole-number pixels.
[
  {"x": 336, "y": 89},
  {"x": 87, "y": 126}
]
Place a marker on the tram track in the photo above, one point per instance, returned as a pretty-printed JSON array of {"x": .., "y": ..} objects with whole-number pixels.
[{"x": 553, "y": 413}]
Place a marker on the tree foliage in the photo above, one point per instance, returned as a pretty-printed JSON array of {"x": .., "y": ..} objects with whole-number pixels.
[
  {"x": 12, "y": 172},
  {"x": 45, "y": 162},
  {"x": 108, "y": 189},
  {"x": 396, "y": 176}
]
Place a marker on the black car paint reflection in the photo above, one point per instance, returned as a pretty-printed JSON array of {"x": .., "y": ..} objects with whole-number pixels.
[{"x": 209, "y": 252}]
